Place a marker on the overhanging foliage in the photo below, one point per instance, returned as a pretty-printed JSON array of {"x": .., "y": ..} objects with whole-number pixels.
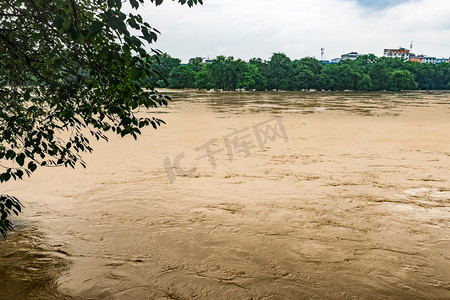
[{"x": 69, "y": 70}]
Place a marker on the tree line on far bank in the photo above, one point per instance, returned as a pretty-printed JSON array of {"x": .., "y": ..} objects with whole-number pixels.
[{"x": 367, "y": 73}]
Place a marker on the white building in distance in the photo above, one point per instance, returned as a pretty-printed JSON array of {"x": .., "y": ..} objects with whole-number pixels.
[
  {"x": 401, "y": 53},
  {"x": 335, "y": 60},
  {"x": 351, "y": 55},
  {"x": 428, "y": 60}
]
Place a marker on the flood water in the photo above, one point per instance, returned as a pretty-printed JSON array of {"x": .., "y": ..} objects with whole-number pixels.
[{"x": 278, "y": 196}]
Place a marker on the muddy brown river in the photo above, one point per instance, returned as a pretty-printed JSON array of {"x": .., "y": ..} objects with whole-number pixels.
[{"x": 247, "y": 195}]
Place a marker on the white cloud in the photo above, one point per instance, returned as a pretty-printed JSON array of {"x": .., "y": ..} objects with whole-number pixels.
[{"x": 257, "y": 28}]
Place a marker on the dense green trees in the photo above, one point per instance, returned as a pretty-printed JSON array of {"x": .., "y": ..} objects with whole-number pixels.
[
  {"x": 182, "y": 77},
  {"x": 166, "y": 64},
  {"x": 279, "y": 72},
  {"x": 71, "y": 70},
  {"x": 367, "y": 73},
  {"x": 402, "y": 80}
]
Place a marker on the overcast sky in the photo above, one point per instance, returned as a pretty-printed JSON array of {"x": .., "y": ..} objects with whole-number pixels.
[{"x": 299, "y": 28}]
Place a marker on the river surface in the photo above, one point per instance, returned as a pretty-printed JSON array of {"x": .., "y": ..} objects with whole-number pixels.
[{"x": 247, "y": 195}]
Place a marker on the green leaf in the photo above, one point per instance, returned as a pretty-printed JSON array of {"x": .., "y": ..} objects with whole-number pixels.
[
  {"x": 5, "y": 177},
  {"x": 19, "y": 173},
  {"x": 118, "y": 25},
  {"x": 32, "y": 166},
  {"x": 134, "y": 4},
  {"x": 10, "y": 154},
  {"x": 95, "y": 28},
  {"x": 20, "y": 159}
]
